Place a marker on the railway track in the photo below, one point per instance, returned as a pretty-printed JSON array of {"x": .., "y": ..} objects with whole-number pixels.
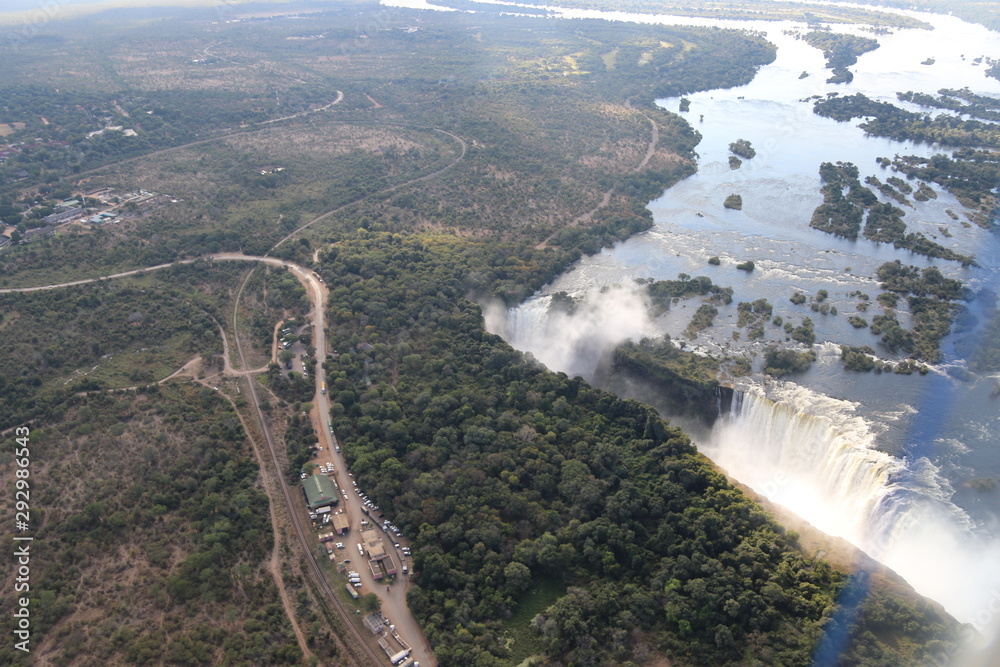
[{"x": 370, "y": 653}]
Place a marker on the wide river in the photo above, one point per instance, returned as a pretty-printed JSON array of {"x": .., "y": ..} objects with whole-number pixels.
[{"x": 885, "y": 460}]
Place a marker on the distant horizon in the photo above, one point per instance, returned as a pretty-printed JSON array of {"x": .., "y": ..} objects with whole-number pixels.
[{"x": 21, "y": 12}]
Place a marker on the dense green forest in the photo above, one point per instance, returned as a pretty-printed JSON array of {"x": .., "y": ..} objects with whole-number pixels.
[{"x": 506, "y": 475}]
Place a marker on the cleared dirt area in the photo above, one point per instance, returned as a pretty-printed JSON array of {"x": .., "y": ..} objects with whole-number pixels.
[{"x": 10, "y": 128}]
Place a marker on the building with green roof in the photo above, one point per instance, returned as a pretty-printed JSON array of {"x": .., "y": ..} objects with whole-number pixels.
[{"x": 320, "y": 491}]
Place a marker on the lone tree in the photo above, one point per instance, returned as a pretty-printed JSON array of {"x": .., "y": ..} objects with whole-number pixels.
[{"x": 370, "y": 602}]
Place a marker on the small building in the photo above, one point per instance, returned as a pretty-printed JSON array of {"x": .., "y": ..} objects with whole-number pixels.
[
  {"x": 64, "y": 216},
  {"x": 320, "y": 492},
  {"x": 373, "y": 544},
  {"x": 373, "y": 622},
  {"x": 379, "y": 562},
  {"x": 39, "y": 233},
  {"x": 340, "y": 524}
]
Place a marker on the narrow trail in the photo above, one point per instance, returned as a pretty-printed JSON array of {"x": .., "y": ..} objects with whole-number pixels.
[
  {"x": 257, "y": 127},
  {"x": 655, "y": 139},
  {"x": 387, "y": 190},
  {"x": 606, "y": 199},
  {"x": 274, "y": 562}
]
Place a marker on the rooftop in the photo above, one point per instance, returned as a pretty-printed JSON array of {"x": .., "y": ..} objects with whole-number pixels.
[{"x": 320, "y": 491}]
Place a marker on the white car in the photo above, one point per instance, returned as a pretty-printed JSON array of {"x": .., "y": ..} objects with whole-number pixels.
[{"x": 339, "y": 545}]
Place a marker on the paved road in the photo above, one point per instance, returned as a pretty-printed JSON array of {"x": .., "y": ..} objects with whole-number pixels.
[{"x": 394, "y": 599}]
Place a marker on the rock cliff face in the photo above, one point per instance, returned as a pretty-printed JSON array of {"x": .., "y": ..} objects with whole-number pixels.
[{"x": 672, "y": 388}]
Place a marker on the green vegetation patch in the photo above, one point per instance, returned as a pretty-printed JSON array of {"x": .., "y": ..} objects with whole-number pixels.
[
  {"x": 758, "y": 11},
  {"x": 742, "y": 148},
  {"x": 840, "y": 50},
  {"x": 843, "y": 215},
  {"x": 932, "y": 300},
  {"x": 102, "y": 336},
  {"x": 962, "y": 101},
  {"x": 662, "y": 292},
  {"x": 887, "y": 120},
  {"x": 779, "y": 362},
  {"x": 701, "y": 320},
  {"x": 520, "y": 637}
]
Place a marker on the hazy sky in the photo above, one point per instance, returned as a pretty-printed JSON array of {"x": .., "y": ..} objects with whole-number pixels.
[{"x": 52, "y": 6}]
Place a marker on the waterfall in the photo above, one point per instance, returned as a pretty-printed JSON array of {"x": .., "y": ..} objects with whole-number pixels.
[
  {"x": 825, "y": 470},
  {"x": 573, "y": 341},
  {"x": 817, "y": 457}
]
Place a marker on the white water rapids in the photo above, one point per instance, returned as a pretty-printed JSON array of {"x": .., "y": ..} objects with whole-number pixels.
[{"x": 816, "y": 456}]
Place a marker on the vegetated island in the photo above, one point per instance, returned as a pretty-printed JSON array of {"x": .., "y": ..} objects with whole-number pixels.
[
  {"x": 961, "y": 100},
  {"x": 743, "y": 148},
  {"x": 843, "y": 215},
  {"x": 756, "y": 10},
  {"x": 734, "y": 201},
  {"x": 887, "y": 120},
  {"x": 840, "y": 50}
]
